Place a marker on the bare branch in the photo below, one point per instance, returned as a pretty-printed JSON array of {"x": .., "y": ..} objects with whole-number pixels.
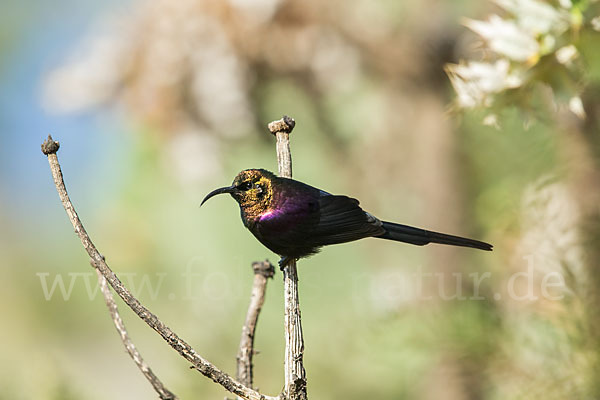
[
  {"x": 282, "y": 129},
  {"x": 262, "y": 271},
  {"x": 49, "y": 148},
  {"x": 295, "y": 375},
  {"x": 158, "y": 386}
]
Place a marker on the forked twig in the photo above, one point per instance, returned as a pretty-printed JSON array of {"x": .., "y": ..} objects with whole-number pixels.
[{"x": 49, "y": 148}]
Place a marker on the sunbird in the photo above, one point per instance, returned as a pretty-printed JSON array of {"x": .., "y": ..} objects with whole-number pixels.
[{"x": 295, "y": 220}]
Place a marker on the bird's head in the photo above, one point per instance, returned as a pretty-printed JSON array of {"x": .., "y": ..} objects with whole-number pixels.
[{"x": 251, "y": 188}]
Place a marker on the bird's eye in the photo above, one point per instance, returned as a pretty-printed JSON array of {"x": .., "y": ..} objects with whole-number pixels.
[{"x": 245, "y": 185}]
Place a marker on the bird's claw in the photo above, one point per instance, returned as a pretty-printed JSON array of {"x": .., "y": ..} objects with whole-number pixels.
[{"x": 283, "y": 261}]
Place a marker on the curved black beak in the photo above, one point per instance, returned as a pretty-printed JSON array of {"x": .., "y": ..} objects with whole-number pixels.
[{"x": 227, "y": 189}]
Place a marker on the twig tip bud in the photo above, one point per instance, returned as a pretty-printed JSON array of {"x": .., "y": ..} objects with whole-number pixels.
[
  {"x": 50, "y": 146},
  {"x": 285, "y": 124},
  {"x": 264, "y": 268}
]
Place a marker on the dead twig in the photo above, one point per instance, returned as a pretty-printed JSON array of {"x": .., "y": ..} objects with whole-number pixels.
[
  {"x": 295, "y": 375},
  {"x": 49, "y": 148},
  {"x": 135, "y": 355},
  {"x": 263, "y": 270}
]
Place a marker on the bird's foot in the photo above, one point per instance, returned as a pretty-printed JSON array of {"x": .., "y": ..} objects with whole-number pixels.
[{"x": 283, "y": 261}]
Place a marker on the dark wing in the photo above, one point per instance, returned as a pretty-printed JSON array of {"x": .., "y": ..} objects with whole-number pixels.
[
  {"x": 305, "y": 218},
  {"x": 342, "y": 220}
]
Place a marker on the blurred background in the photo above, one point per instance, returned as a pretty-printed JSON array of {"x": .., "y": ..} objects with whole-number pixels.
[{"x": 476, "y": 118}]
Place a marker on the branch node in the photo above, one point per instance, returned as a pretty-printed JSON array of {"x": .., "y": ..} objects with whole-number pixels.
[
  {"x": 50, "y": 146},
  {"x": 285, "y": 124},
  {"x": 264, "y": 268}
]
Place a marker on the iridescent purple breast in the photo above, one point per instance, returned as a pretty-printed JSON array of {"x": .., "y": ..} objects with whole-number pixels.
[{"x": 268, "y": 215}]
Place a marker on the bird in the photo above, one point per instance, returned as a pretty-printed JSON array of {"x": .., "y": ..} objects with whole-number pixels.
[{"x": 295, "y": 220}]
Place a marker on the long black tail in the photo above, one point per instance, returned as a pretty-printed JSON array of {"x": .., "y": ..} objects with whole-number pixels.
[{"x": 420, "y": 237}]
